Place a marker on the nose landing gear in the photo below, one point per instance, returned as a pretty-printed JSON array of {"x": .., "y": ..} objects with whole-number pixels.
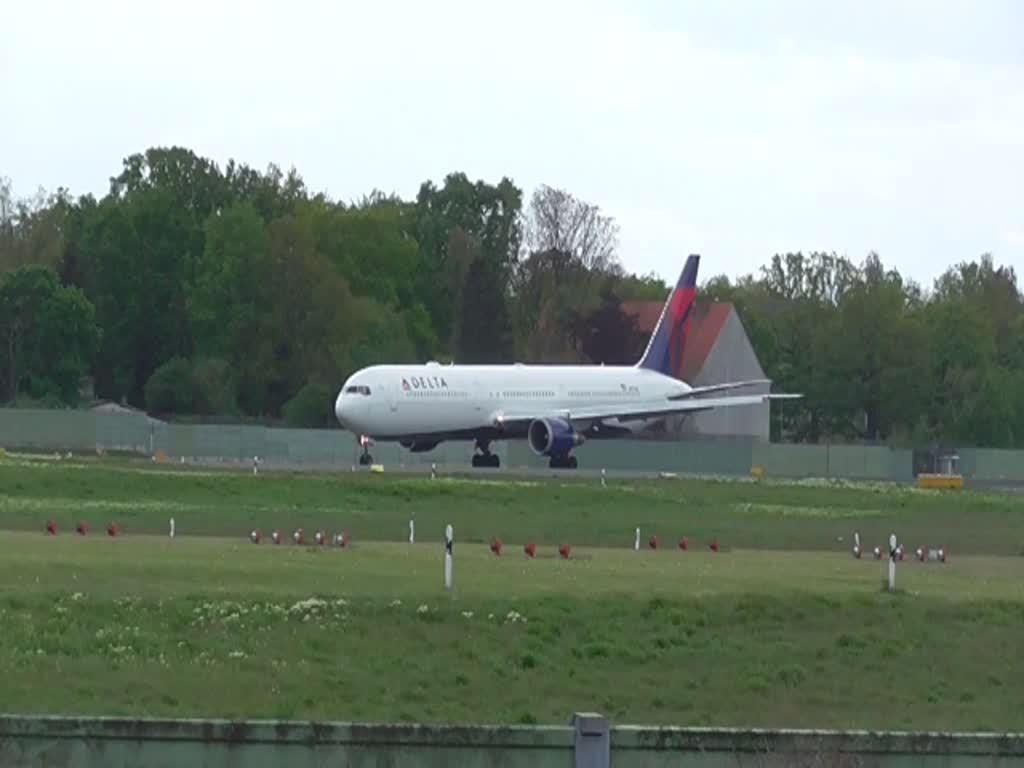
[{"x": 365, "y": 459}]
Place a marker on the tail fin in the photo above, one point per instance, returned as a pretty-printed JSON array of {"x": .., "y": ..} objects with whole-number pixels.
[{"x": 664, "y": 352}]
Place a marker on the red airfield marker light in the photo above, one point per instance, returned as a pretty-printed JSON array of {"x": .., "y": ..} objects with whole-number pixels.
[
  {"x": 565, "y": 550},
  {"x": 684, "y": 543},
  {"x": 299, "y": 536},
  {"x": 275, "y": 536},
  {"x": 714, "y": 545},
  {"x": 51, "y": 527},
  {"x": 341, "y": 540},
  {"x": 320, "y": 537},
  {"x": 653, "y": 542},
  {"x": 82, "y": 529},
  {"x": 530, "y": 549},
  {"x": 256, "y": 536},
  {"x": 496, "y": 547},
  {"x": 112, "y": 530}
]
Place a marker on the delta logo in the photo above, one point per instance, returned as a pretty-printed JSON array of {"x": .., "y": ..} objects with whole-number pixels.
[{"x": 424, "y": 382}]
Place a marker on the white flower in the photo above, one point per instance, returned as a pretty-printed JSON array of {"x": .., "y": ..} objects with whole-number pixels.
[
  {"x": 423, "y": 609},
  {"x": 309, "y": 604}
]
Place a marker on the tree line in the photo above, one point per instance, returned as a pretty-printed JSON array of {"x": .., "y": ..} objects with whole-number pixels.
[{"x": 194, "y": 290}]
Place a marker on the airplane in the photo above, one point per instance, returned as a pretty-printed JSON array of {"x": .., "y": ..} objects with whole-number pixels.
[{"x": 555, "y": 408}]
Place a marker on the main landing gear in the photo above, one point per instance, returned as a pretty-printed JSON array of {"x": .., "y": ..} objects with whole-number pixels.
[
  {"x": 562, "y": 462},
  {"x": 485, "y": 458}
]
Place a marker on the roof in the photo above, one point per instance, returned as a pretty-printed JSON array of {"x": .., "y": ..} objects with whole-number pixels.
[
  {"x": 109, "y": 407},
  {"x": 708, "y": 320}
]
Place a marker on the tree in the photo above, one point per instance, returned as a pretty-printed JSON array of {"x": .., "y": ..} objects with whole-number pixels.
[
  {"x": 647, "y": 287},
  {"x": 484, "y": 334},
  {"x": 446, "y": 220},
  {"x": 371, "y": 251},
  {"x": 49, "y": 333},
  {"x": 312, "y": 407},
  {"x": 571, "y": 254},
  {"x": 608, "y": 335},
  {"x": 995, "y": 289},
  {"x": 232, "y": 285},
  {"x": 32, "y": 230},
  {"x": 549, "y": 287},
  {"x": 877, "y": 352},
  {"x": 559, "y": 222},
  {"x": 170, "y": 388}
]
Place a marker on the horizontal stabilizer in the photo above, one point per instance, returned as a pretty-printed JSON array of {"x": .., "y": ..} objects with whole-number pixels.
[{"x": 695, "y": 391}]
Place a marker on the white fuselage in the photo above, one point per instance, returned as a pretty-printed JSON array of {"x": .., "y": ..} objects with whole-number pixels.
[{"x": 403, "y": 401}]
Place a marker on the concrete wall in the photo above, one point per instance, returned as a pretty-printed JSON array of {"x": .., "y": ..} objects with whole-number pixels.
[
  {"x": 85, "y": 431},
  {"x": 590, "y": 741}
]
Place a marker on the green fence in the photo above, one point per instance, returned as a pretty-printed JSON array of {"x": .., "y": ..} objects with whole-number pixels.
[
  {"x": 87, "y": 431},
  {"x": 590, "y": 741}
]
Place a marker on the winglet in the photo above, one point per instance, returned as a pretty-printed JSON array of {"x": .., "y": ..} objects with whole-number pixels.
[{"x": 664, "y": 352}]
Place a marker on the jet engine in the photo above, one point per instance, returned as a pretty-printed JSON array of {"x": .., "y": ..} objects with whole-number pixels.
[{"x": 552, "y": 437}]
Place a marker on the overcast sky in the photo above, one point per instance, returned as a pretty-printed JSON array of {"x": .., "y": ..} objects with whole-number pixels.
[{"x": 735, "y": 129}]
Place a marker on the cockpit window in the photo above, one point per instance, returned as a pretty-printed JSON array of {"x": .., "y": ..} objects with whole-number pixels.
[{"x": 357, "y": 390}]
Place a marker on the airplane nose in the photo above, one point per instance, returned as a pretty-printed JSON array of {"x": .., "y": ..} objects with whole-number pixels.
[{"x": 338, "y": 407}]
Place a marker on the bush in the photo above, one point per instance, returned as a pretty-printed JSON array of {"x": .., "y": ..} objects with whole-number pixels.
[
  {"x": 213, "y": 388},
  {"x": 312, "y": 406},
  {"x": 169, "y": 389}
]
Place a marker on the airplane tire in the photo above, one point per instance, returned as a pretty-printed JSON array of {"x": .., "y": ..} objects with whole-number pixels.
[
  {"x": 562, "y": 462},
  {"x": 486, "y": 460}
]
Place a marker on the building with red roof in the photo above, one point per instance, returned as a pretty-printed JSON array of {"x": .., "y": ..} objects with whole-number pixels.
[{"x": 717, "y": 350}]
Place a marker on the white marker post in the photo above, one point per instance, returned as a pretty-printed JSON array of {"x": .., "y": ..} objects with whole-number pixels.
[
  {"x": 892, "y": 562},
  {"x": 602, "y": 478},
  {"x": 412, "y": 531},
  {"x": 433, "y": 471},
  {"x": 172, "y": 528},
  {"x": 636, "y": 543},
  {"x": 448, "y": 539}
]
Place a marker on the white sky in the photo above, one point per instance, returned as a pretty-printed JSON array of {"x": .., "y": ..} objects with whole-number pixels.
[{"x": 735, "y": 129}]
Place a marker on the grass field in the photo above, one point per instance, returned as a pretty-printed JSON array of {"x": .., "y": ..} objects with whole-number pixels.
[
  {"x": 379, "y": 507},
  {"x": 782, "y": 629}
]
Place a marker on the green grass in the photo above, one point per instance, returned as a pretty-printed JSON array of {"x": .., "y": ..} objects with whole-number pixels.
[
  {"x": 379, "y": 507},
  {"x": 783, "y": 630}
]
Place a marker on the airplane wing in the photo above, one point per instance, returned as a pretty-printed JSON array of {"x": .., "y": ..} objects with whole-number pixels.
[{"x": 640, "y": 410}]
